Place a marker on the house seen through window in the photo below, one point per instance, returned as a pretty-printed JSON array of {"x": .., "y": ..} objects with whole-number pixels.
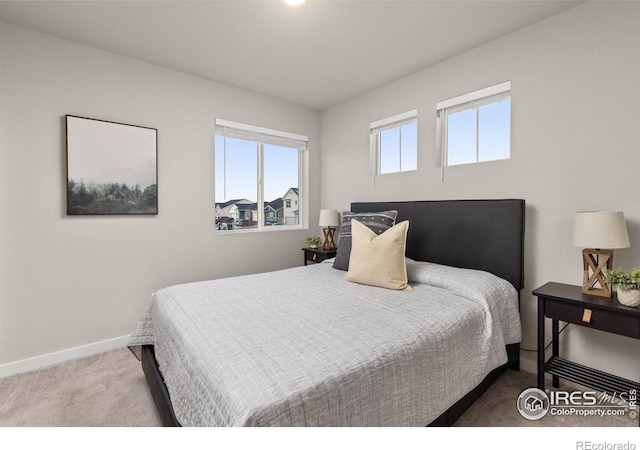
[{"x": 258, "y": 174}]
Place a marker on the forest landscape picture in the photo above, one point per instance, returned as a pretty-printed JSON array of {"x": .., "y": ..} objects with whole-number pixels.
[{"x": 111, "y": 168}]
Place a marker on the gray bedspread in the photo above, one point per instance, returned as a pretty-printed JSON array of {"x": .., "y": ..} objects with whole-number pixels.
[{"x": 303, "y": 347}]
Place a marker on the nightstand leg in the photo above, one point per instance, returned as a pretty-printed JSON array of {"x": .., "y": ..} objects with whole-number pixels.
[
  {"x": 541, "y": 343},
  {"x": 556, "y": 348}
]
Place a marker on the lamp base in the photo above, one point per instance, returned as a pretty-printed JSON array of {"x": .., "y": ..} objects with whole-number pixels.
[
  {"x": 329, "y": 244},
  {"x": 593, "y": 262}
]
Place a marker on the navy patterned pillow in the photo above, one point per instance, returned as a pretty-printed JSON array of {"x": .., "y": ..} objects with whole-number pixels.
[{"x": 379, "y": 222}]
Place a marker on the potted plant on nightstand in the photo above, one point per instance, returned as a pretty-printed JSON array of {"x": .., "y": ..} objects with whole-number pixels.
[
  {"x": 314, "y": 241},
  {"x": 627, "y": 285}
]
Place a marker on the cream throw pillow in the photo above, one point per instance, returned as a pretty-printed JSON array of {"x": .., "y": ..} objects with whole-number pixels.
[{"x": 378, "y": 260}]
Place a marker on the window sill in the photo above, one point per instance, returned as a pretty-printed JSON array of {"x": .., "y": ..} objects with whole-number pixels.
[{"x": 265, "y": 229}]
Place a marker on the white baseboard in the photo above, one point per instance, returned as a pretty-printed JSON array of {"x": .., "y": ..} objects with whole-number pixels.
[
  {"x": 528, "y": 366},
  {"x": 51, "y": 359}
]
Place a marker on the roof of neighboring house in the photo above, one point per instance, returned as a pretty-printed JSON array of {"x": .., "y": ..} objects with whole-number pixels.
[
  {"x": 275, "y": 204},
  {"x": 294, "y": 189},
  {"x": 231, "y": 202},
  {"x": 244, "y": 204}
]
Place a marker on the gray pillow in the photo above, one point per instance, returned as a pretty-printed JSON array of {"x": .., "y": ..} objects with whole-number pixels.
[{"x": 379, "y": 222}]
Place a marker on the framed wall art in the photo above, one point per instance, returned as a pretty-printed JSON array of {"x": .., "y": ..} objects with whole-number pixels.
[{"x": 112, "y": 168}]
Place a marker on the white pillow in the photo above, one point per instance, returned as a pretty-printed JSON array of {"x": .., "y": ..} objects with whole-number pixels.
[{"x": 378, "y": 259}]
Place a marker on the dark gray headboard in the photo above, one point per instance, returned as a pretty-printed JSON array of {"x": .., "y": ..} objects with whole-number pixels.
[{"x": 473, "y": 234}]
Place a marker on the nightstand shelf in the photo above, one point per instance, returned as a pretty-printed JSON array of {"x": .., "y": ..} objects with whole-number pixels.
[{"x": 587, "y": 376}]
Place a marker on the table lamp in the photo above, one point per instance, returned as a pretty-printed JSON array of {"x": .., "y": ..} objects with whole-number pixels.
[
  {"x": 329, "y": 220},
  {"x": 599, "y": 232}
]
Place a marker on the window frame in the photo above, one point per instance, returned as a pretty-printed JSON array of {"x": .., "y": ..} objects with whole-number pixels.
[
  {"x": 390, "y": 123},
  {"x": 470, "y": 101},
  {"x": 265, "y": 136}
]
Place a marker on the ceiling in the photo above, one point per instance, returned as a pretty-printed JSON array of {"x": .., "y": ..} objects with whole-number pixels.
[{"x": 318, "y": 54}]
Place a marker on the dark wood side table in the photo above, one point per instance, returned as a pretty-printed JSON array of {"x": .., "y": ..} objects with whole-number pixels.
[
  {"x": 567, "y": 303},
  {"x": 316, "y": 255}
]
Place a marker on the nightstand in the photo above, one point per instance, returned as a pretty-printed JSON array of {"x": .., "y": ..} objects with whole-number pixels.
[
  {"x": 567, "y": 303},
  {"x": 316, "y": 255}
]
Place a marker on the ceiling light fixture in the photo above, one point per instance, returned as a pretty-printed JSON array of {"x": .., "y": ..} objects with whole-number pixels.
[{"x": 294, "y": 2}]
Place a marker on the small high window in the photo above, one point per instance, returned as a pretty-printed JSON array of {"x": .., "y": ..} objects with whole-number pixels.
[
  {"x": 394, "y": 143},
  {"x": 476, "y": 127}
]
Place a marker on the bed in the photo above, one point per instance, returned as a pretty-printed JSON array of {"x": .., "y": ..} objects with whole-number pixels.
[{"x": 359, "y": 355}]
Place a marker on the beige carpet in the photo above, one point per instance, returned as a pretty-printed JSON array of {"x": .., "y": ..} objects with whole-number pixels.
[
  {"x": 109, "y": 390},
  {"x": 497, "y": 408},
  {"x": 103, "y": 390}
]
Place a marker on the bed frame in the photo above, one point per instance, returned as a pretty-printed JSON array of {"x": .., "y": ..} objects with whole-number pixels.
[{"x": 473, "y": 234}]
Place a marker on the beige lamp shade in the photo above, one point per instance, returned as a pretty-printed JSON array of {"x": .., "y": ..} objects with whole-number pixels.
[
  {"x": 600, "y": 229},
  {"x": 329, "y": 218}
]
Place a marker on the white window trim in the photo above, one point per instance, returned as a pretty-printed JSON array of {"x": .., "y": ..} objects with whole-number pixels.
[
  {"x": 481, "y": 94},
  {"x": 269, "y": 135},
  {"x": 227, "y": 128},
  {"x": 471, "y": 100},
  {"x": 374, "y": 137},
  {"x": 394, "y": 121}
]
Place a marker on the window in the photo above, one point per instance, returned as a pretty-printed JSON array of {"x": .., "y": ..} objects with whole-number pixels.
[
  {"x": 258, "y": 173},
  {"x": 476, "y": 127},
  {"x": 394, "y": 143}
]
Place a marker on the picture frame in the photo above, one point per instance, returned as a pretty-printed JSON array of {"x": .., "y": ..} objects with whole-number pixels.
[{"x": 112, "y": 167}]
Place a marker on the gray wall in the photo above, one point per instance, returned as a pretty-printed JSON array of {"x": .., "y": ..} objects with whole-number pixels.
[
  {"x": 575, "y": 145},
  {"x": 67, "y": 282}
]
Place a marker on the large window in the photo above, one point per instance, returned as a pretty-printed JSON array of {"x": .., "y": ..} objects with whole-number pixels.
[
  {"x": 476, "y": 127},
  {"x": 394, "y": 143},
  {"x": 259, "y": 177}
]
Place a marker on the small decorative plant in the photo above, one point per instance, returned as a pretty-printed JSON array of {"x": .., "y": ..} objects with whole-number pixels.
[
  {"x": 622, "y": 280},
  {"x": 627, "y": 285},
  {"x": 314, "y": 241}
]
